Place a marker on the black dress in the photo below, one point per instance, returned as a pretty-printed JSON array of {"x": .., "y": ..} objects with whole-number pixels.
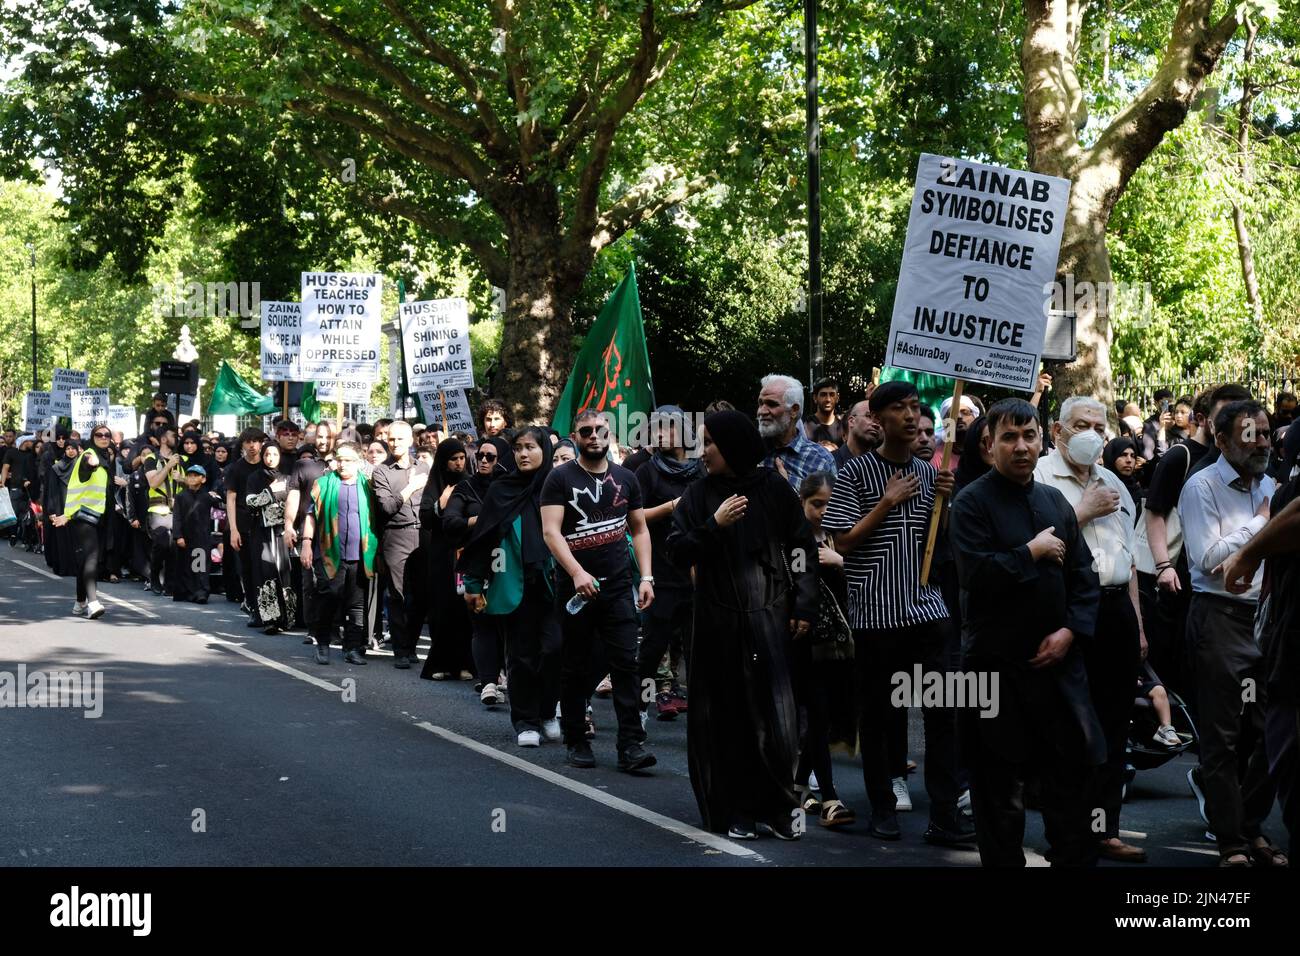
[
  {"x": 449, "y": 620},
  {"x": 274, "y": 599},
  {"x": 58, "y": 541},
  {"x": 192, "y": 523},
  {"x": 742, "y": 737}
]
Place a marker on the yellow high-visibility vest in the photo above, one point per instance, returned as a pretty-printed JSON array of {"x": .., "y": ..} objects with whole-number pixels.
[{"x": 91, "y": 494}]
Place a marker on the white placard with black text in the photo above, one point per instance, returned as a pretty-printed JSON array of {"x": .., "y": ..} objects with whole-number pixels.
[
  {"x": 341, "y": 319},
  {"x": 36, "y": 411},
  {"x": 459, "y": 416},
  {"x": 435, "y": 340},
  {"x": 89, "y": 408},
  {"x": 281, "y": 341},
  {"x": 64, "y": 381}
]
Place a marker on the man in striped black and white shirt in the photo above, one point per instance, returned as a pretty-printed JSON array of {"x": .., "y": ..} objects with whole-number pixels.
[{"x": 879, "y": 514}]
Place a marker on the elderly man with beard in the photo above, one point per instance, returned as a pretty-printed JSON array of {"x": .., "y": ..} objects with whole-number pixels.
[
  {"x": 789, "y": 451},
  {"x": 1223, "y": 507}
]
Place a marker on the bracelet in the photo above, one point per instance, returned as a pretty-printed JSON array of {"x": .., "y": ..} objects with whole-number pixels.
[{"x": 1164, "y": 566}]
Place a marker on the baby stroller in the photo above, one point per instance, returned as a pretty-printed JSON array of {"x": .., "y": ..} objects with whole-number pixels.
[{"x": 1143, "y": 752}]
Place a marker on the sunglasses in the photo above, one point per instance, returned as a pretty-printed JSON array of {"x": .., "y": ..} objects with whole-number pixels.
[
  {"x": 586, "y": 431},
  {"x": 484, "y": 456},
  {"x": 102, "y": 435}
]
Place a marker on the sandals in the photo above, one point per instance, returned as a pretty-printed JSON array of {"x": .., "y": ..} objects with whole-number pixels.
[
  {"x": 1235, "y": 861},
  {"x": 1268, "y": 855},
  {"x": 836, "y": 814},
  {"x": 808, "y": 800}
]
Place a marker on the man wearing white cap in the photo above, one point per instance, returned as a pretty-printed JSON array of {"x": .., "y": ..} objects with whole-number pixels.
[{"x": 967, "y": 412}]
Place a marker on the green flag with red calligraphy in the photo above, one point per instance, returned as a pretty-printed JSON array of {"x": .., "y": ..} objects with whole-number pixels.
[{"x": 612, "y": 373}]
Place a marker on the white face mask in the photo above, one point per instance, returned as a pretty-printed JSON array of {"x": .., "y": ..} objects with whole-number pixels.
[{"x": 1084, "y": 447}]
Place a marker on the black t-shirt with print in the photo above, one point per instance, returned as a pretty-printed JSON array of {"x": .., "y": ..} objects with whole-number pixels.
[{"x": 595, "y": 515}]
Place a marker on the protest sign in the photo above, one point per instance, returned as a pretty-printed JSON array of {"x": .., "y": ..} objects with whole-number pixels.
[
  {"x": 435, "y": 340},
  {"x": 281, "y": 341},
  {"x": 354, "y": 393},
  {"x": 122, "y": 418},
  {"x": 89, "y": 408},
  {"x": 977, "y": 272},
  {"x": 36, "y": 411},
  {"x": 340, "y": 326},
  {"x": 64, "y": 381},
  {"x": 458, "y": 414}
]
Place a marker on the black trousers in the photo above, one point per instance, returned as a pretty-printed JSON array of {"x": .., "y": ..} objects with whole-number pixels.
[
  {"x": 406, "y": 585},
  {"x": 532, "y": 639},
  {"x": 609, "y": 619},
  {"x": 345, "y": 596},
  {"x": 1230, "y": 707},
  {"x": 162, "y": 556},
  {"x": 489, "y": 647},
  {"x": 231, "y": 568},
  {"x": 658, "y": 633},
  {"x": 1112, "y": 660},
  {"x": 879, "y": 655},
  {"x": 247, "y": 558},
  {"x": 1282, "y": 734},
  {"x": 89, "y": 544}
]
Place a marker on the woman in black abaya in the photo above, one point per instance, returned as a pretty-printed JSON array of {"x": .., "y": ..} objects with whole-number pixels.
[
  {"x": 265, "y": 493},
  {"x": 743, "y": 530},
  {"x": 449, "y": 628}
]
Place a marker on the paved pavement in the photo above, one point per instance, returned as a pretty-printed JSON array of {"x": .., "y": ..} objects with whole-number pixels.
[{"x": 221, "y": 745}]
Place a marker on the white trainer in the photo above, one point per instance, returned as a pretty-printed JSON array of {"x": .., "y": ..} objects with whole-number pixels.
[
  {"x": 530, "y": 738},
  {"x": 94, "y": 609},
  {"x": 902, "y": 798},
  {"x": 79, "y": 608},
  {"x": 489, "y": 695},
  {"x": 551, "y": 730}
]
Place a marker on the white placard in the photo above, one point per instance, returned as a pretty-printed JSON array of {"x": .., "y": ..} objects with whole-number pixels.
[
  {"x": 89, "y": 408},
  {"x": 281, "y": 341},
  {"x": 354, "y": 393},
  {"x": 36, "y": 411},
  {"x": 64, "y": 381},
  {"x": 341, "y": 319},
  {"x": 977, "y": 273},
  {"x": 122, "y": 418},
  {"x": 459, "y": 416},
  {"x": 435, "y": 340}
]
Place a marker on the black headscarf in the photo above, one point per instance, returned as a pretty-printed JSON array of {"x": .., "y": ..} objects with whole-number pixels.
[
  {"x": 513, "y": 494},
  {"x": 971, "y": 466},
  {"x": 739, "y": 443},
  {"x": 742, "y": 448},
  {"x": 441, "y": 476}
]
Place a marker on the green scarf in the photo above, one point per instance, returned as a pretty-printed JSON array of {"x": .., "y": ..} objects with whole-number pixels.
[{"x": 325, "y": 496}]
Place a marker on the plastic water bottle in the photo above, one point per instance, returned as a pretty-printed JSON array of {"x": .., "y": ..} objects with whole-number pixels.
[{"x": 578, "y": 602}]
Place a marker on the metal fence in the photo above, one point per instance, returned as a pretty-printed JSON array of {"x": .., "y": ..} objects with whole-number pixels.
[{"x": 1264, "y": 382}]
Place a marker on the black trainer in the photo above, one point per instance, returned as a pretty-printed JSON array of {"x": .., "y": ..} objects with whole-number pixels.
[
  {"x": 884, "y": 826},
  {"x": 322, "y": 653},
  {"x": 741, "y": 829},
  {"x": 952, "y": 834},
  {"x": 782, "y": 829},
  {"x": 354, "y": 656},
  {"x": 635, "y": 757},
  {"x": 579, "y": 755}
]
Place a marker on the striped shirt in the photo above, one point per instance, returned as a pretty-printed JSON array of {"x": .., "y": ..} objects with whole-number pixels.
[
  {"x": 884, "y": 571},
  {"x": 801, "y": 457}
]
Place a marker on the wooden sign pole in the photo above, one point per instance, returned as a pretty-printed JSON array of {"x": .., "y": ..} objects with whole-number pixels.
[
  {"x": 340, "y": 414},
  {"x": 442, "y": 397},
  {"x": 286, "y": 399},
  {"x": 949, "y": 436}
]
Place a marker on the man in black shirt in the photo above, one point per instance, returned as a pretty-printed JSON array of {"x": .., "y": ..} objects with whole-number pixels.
[
  {"x": 826, "y": 396},
  {"x": 588, "y": 507},
  {"x": 306, "y": 470},
  {"x": 398, "y": 489},
  {"x": 237, "y": 474},
  {"x": 662, "y": 480},
  {"x": 861, "y": 434},
  {"x": 1018, "y": 546}
]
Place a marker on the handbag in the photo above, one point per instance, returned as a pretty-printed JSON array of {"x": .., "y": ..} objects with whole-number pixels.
[
  {"x": 832, "y": 638},
  {"x": 7, "y": 516},
  {"x": 87, "y": 516}
]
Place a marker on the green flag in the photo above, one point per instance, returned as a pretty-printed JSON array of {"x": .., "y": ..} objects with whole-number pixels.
[
  {"x": 612, "y": 373},
  {"x": 233, "y": 396},
  {"x": 933, "y": 389},
  {"x": 308, "y": 405}
]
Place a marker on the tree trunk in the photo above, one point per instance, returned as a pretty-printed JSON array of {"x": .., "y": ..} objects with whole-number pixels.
[
  {"x": 536, "y": 334},
  {"x": 1245, "y": 119}
]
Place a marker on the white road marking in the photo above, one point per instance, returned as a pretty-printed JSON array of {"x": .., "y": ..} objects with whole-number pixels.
[
  {"x": 143, "y": 612},
  {"x": 274, "y": 665},
  {"x": 710, "y": 840}
]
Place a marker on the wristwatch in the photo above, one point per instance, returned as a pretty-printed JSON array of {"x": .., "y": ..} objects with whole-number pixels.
[{"x": 647, "y": 579}]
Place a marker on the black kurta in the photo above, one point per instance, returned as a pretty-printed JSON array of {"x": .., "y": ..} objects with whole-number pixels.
[
  {"x": 742, "y": 737},
  {"x": 1011, "y": 603},
  {"x": 192, "y": 523}
]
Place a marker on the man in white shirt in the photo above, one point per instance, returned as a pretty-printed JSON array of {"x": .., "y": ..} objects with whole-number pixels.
[
  {"x": 1106, "y": 515},
  {"x": 1223, "y": 507}
]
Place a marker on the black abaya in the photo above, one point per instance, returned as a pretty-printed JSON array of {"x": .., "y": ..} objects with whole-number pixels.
[
  {"x": 192, "y": 523},
  {"x": 273, "y": 598},
  {"x": 742, "y": 737}
]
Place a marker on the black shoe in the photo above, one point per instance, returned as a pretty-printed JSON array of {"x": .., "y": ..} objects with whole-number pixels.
[
  {"x": 309, "y": 639},
  {"x": 272, "y": 629},
  {"x": 962, "y": 834},
  {"x": 580, "y": 755},
  {"x": 354, "y": 657},
  {"x": 322, "y": 654},
  {"x": 401, "y": 663},
  {"x": 635, "y": 757},
  {"x": 884, "y": 826},
  {"x": 782, "y": 829},
  {"x": 742, "y": 830},
  {"x": 254, "y": 622},
  {"x": 415, "y": 659}
]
